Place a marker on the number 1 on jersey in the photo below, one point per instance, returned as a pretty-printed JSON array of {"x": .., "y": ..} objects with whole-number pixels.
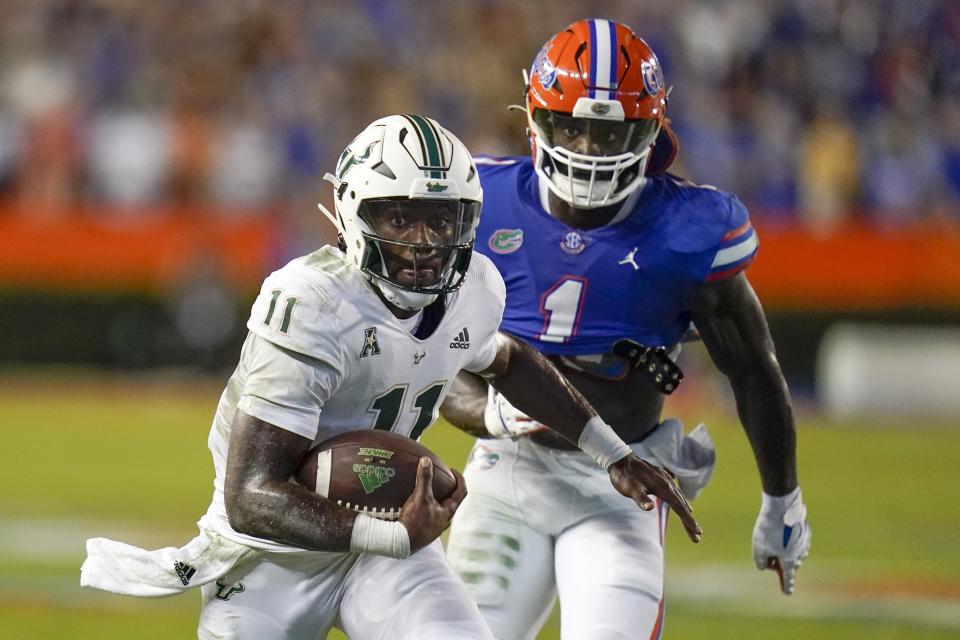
[{"x": 562, "y": 305}]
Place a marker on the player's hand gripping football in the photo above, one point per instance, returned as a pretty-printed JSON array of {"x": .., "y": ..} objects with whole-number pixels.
[
  {"x": 781, "y": 537},
  {"x": 638, "y": 479},
  {"x": 424, "y": 517}
]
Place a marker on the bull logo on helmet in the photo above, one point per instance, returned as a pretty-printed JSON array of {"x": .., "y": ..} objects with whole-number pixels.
[{"x": 349, "y": 158}]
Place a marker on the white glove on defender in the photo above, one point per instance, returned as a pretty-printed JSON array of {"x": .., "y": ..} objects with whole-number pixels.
[
  {"x": 781, "y": 537},
  {"x": 503, "y": 420}
]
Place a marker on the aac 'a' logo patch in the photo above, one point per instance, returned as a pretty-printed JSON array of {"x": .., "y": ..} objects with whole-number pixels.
[
  {"x": 370, "y": 345},
  {"x": 505, "y": 240}
]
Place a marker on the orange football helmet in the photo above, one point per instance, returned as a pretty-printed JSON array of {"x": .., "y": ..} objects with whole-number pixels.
[{"x": 596, "y": 104}]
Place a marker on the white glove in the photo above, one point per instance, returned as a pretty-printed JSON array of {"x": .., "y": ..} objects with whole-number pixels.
[
  {"x": 781, "y": 537},
  {"x": 503, "y": 420}
]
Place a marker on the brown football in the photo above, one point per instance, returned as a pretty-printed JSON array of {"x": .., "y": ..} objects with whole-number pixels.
[{"x": 371, "y": 471}]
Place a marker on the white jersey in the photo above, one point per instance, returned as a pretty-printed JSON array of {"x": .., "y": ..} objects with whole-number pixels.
[{"x": 325, "y": 356}]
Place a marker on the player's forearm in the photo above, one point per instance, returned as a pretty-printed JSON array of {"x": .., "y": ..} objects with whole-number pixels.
[
  {"x": 287, "y": 513},
  {"x": 260, "y": 499},
  {"x": 464, "y": 405},
  {"x": 734, "y": 329},
  {"x": 763, "y": 404}
]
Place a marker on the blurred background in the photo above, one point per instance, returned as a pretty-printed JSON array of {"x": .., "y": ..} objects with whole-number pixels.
[{"x": 157, "y": 160}]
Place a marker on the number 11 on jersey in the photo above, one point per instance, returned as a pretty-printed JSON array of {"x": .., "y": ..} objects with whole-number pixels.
[
  {"x": 290, "y": 303},
  {"x": 562, "y": 305}
]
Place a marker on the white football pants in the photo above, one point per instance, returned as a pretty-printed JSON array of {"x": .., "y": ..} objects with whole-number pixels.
[
  {"x": 300, "y": 596},
  {"x": 539, "y": 522}
]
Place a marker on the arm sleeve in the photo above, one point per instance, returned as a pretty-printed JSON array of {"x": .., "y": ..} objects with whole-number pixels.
[{"x": 285, "y": 388}]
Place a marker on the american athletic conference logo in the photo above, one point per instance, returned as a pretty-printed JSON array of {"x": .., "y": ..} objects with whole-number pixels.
[{"x": 370, "y": 344}]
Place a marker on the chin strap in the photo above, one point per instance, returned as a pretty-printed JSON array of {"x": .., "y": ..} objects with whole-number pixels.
[
  {"x": 335, "y": 220},
  {"x": 406, "y": 300}
]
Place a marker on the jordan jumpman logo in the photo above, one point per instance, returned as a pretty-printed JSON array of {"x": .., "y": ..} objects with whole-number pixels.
[{"x": 629, "y": 260}]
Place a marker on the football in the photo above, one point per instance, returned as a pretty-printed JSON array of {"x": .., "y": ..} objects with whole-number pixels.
[{"x": 371, "y": 471}]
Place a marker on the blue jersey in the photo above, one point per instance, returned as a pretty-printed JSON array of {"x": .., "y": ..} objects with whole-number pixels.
[{"x": 577, "y": 291}]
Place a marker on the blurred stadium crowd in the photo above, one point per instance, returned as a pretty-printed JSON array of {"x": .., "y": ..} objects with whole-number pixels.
[{"x": 812, "y": 111}]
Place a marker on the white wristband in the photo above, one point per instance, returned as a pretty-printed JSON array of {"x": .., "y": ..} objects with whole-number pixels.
[
  {"x": 601, "y": 442},
  {"x": 381, "y": 537},
  {"x": 790, "y": 507}
]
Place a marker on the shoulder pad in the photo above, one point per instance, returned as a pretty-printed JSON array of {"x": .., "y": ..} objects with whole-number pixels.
[
  {"x": 737, "y": 248},
  {"x": 297, "y": 305},
  {"x": 502, "y": 161},
  {"x": 497, "y": 166},
  {"x": 484, "y": 285},
  {"x": 700, "y": 216}
]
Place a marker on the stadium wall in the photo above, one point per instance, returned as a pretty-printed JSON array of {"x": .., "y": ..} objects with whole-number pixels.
[{"x": 173, "y": 286}]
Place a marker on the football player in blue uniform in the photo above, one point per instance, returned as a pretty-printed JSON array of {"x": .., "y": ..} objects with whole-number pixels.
[{"x": 609, "y": 262}]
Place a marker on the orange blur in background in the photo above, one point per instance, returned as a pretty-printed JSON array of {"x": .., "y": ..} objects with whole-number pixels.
[{"x": 853, "y": 267}]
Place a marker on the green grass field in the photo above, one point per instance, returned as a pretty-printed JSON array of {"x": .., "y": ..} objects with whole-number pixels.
[{"x": 126, "y": 458}]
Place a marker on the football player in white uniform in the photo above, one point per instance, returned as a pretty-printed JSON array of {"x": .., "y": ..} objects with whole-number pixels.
[{"x": 367, "y": 335}]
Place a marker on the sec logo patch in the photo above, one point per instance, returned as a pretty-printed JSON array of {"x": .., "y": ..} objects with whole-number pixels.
[{"x": 573, "y": 243}]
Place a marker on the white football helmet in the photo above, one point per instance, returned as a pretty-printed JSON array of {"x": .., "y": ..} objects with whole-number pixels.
[{"x": 408, "y": 201}]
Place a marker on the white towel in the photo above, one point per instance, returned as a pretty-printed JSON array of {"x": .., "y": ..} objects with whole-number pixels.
[
  {"x": 128, "y": 570},
  {"x": 691, "y": 457}
]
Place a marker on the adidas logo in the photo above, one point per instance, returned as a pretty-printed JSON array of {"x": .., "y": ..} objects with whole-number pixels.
[
  {"x": 183, "y": 570},
  {"x": 462, "y": 340}
]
